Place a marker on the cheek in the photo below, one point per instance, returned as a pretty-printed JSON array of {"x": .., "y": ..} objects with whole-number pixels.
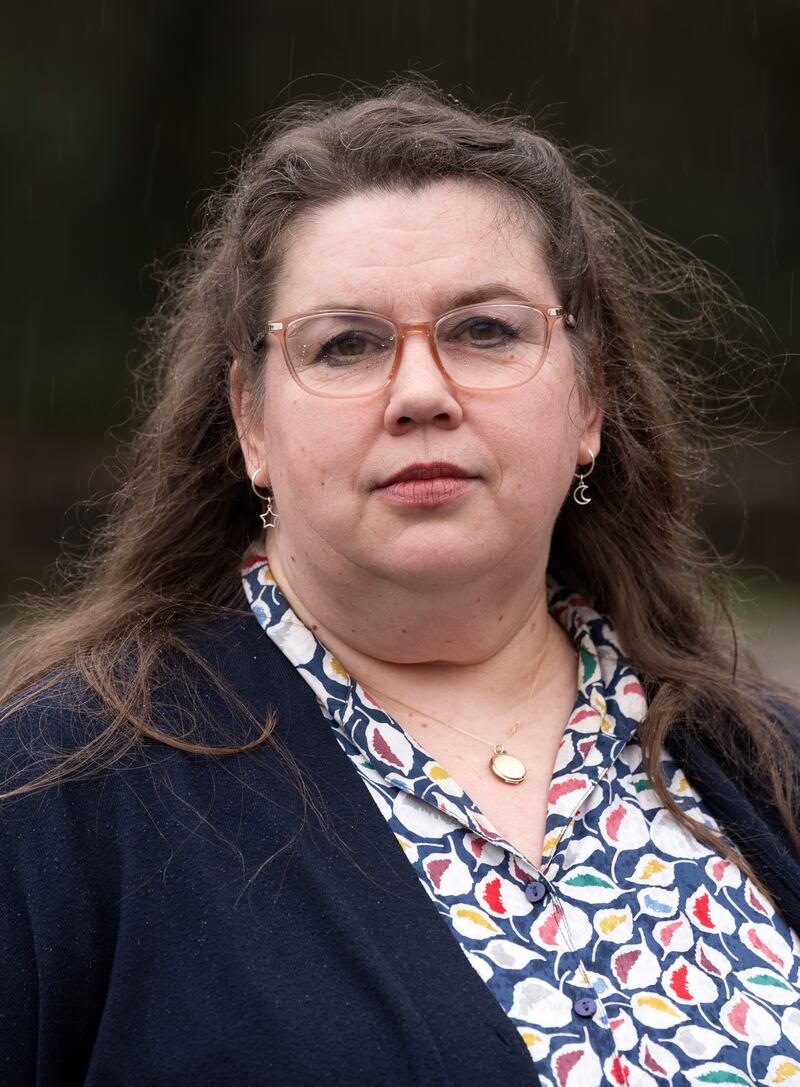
[
  {"x": 315, "y": 448},
  {"x": 544, "y": 427},
  {"x": 536, "y": 444}
]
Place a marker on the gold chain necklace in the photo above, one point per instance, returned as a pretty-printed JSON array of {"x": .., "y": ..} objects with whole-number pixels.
[{"x": 503, "y": 765}]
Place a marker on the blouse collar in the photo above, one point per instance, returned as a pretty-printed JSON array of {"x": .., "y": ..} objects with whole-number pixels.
[{"x": 609, "y": 707}]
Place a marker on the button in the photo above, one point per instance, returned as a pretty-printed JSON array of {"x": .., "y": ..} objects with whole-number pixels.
[
  {"x": 585, "y": 1007},
  {"x": 535, "y": 891}
]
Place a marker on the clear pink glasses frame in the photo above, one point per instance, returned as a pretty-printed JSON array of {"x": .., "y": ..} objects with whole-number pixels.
[{"x": 280, "y": 328}]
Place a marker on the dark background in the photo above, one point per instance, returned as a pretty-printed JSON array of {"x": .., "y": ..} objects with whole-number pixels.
[{"x": 118, "y": 118}]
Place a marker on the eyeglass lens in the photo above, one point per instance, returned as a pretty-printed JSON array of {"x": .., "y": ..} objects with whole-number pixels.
[{"x": 480, "y": 347}]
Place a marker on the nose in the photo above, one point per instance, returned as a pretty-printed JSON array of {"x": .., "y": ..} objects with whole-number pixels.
[{"x": 419, "y": 393}]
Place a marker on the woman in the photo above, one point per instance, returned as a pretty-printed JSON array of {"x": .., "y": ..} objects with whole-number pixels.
[{"x": 455, "y": 780}]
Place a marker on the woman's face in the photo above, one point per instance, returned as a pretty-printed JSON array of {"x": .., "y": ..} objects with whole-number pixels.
[{"x": 412, "y": 256}]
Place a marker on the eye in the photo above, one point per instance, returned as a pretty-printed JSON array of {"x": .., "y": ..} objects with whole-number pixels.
[
  {"x": 482, "y": 331},
  {"x": 346, "y": 345},
  {"x": 488, "y": 330},
  {"x": 346, "y": 348}
]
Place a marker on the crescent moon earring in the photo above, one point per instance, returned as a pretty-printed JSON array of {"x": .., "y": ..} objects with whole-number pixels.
[
  {"x": 580, "y": 493},
  {"x": 269, "y": 518}
]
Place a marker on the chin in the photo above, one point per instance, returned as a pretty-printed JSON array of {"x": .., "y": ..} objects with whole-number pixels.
[{"x": 433, "y": 564}]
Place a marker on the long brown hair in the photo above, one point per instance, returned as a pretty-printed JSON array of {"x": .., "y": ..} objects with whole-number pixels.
[{"x": 651, "y": 340}]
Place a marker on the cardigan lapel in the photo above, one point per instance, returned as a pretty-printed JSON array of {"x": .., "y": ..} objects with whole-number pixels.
[{"x": 385, "y": 896}]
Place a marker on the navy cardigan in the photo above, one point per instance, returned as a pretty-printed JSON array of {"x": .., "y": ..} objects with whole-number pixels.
[{"x": 184, "y": 919}]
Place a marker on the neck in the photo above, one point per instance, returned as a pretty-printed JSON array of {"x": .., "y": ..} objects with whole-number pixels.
[{"x": 460, "y": 649}]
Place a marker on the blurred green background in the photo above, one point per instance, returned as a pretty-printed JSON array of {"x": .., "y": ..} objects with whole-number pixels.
[{"x": 118, "y": 119}]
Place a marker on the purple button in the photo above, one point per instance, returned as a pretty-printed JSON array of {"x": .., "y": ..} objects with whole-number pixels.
[
  {"x": 585, "y": 1007},
  {"x": 535, "y": 891}
]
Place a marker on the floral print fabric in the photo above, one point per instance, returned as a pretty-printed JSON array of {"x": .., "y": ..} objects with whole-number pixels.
[{"x": 638, "y": 956}]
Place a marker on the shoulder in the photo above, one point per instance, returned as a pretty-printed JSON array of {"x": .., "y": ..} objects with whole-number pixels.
[
  {"x": 724, "y": 758},
  {"x": 43, "y": 724},
  {"x": 724, "y": 735},
  {"x": 206, "y": 647},
  {"x": 786, "y": 714},
  {"x": 780, "y": 720},
  {"x": 214, "y": 684},
  {"x": 86, "y": 795}
]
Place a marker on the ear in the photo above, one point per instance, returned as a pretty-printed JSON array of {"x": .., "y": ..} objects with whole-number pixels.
[
  {"x": 249, "y": 423},
  {"x": 591, "y": 437},
  {"x": 592, "y": 397}
]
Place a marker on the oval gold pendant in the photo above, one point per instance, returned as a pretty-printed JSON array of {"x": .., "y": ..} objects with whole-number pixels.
[{"x": 507, "y": 767}]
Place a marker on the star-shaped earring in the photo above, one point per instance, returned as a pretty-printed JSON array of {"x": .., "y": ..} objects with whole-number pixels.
[{"x": 269, "y": 518}]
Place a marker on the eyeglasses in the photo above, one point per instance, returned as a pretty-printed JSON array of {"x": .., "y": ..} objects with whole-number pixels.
[{"x": 353, "y": 353}]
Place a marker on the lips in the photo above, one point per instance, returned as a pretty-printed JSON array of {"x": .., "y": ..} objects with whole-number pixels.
[
  {"x": 427, "y": 486},
  {"x": 434, "y": 470}
]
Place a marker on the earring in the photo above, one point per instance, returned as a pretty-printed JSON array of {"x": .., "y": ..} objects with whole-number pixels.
[
  {"x": 579, "y": 494},
  {"x": 269, "y": 518}
]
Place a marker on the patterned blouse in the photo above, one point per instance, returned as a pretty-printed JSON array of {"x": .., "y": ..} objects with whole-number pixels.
[{"x": 633, "y": 955}]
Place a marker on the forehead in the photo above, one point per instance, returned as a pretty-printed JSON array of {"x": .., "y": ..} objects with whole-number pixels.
[{"x": 410, "y": 253}]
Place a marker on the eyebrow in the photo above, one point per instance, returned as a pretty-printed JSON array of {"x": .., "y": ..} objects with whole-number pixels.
[
  {"x": 481, "y": 293},
  {"x": 485, "y": 292}
]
